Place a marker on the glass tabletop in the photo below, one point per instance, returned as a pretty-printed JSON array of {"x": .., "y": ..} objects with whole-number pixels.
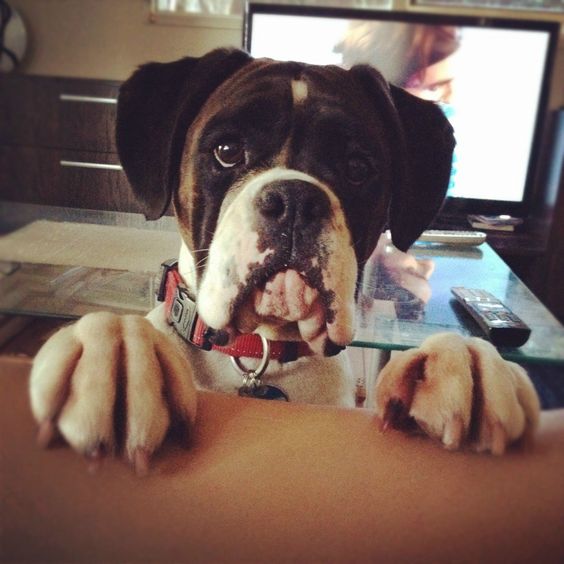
[
  {"x": 73, "y": 291},
  {"x": 402, "y": 299},
  {"x": 405, "y": 298}
]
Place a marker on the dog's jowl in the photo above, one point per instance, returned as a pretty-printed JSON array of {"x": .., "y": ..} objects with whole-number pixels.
[{"x": 282, "y": 177}]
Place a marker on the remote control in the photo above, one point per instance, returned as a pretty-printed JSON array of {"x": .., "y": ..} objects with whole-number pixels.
[
  {"x": 452, "y": 237},
  {"x": 499, "y": 323}
]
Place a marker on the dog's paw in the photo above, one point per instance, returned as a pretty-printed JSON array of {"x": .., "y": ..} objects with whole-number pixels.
[
  {"x": 460, "y": 391},
  {"x": 110, "y": 381}
]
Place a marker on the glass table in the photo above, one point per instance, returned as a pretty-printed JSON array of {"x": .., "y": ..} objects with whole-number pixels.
[
  {"x": 73, "y": 291},
  {"x": 406, "y": 298},
  {"x": 402, "y": 299}
]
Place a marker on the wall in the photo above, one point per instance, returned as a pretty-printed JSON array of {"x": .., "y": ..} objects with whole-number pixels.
[
  {"x": 106, "y": 38},
  {"x": 109, "y": 38}
]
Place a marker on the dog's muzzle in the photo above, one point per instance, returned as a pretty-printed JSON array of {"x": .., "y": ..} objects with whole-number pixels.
[{"x": 281, "y": 263}]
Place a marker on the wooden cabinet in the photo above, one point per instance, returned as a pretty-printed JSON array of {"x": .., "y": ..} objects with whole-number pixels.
[{"x": 57, "y": 144}]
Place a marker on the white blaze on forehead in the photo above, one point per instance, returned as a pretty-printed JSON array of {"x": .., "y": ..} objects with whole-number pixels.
[
  {"x": 277, "y": 174},
  {"x": 299, "y": 91}
]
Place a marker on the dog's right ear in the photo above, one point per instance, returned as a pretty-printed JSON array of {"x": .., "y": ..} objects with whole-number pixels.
[{"x": 156, "y": 106}]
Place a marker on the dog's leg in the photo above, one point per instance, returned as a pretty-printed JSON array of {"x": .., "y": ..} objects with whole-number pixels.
[
  {"x": 460, "y": 391},
  {"x": 110, "y": 380}
]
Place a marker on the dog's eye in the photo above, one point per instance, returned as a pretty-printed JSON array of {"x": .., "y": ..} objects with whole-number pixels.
[
  {"x": 357, "y": 169},
  {"x": 229, "y": 154}
]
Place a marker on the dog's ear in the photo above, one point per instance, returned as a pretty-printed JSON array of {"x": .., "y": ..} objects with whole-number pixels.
[
  {"x": 156, "y": 106},
  {"x": 422, "y": 144},
  {"x": 429, "y": 140}
]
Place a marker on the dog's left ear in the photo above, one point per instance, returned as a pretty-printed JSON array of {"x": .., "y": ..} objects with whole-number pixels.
[
  {"x": 423, "y": 142},
  {"x": 156, "y": 106}
]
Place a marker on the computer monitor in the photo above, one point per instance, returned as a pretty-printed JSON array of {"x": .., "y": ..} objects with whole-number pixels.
[{"x": 490, "y": 77}]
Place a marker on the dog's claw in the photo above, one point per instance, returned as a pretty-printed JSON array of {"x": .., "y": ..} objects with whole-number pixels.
[
  {"x": 47, "y": 433},
  {"x": 96, "y": 457},
  {"x": 453, "y": 433},
  {"x": 140, "y": 460}
]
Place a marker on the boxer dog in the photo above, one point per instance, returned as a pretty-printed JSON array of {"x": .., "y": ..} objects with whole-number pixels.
[{"x": 282, "y": 177}]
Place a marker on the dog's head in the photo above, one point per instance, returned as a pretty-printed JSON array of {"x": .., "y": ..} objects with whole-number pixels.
[{"x": 282, "y": 176}]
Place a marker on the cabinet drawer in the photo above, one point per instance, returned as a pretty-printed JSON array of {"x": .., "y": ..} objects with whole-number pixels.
[
  {"x": 64, "y": 178},
  {"x": 87, "y": 114},
  {"x": 63, "y": 113},
  {"x": 27, "y": 111}
]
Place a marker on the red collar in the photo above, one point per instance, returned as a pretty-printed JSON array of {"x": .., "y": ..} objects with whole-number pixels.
[{"x": 181, "y": 314}]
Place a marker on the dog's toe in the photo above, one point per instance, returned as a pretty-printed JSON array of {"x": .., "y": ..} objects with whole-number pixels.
[{"x": 434, "y": 389}]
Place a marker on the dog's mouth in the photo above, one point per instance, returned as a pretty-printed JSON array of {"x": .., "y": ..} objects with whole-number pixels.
[
  {"x": 285, "y": 296},
  {"x": 287, "y": 306}
]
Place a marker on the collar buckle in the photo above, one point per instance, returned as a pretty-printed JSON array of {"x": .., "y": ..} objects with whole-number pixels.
[
  {"x": 166, "y": 267},
  {"x": 182, "y": 312},
  {"x": 184, "y": 318}
]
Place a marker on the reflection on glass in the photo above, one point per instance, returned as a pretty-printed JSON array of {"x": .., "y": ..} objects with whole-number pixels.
[
  {"x": 73, "y": 291},
  {"x": 396, "y": 282}
]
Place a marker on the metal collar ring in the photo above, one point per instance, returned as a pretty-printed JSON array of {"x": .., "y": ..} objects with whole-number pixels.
[{"x": 252, "y": 377}]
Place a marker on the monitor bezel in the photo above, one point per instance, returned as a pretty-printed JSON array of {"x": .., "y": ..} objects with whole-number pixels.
[{"x": 455, "y": 208}]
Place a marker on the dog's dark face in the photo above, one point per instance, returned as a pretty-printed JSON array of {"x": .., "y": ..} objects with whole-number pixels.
[{"x": 282, "y": 176}]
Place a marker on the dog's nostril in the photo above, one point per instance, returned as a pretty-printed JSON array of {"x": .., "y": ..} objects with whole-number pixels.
[{"x": 271, "y": 204}]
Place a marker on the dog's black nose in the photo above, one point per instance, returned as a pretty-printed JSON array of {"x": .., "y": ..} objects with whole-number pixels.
[{"x": 293, "y": 204}]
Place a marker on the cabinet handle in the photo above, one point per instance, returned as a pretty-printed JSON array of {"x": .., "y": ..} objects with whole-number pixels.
[
  {"x": 102, "y": 166},
  {"x": 88, "y": 99}
]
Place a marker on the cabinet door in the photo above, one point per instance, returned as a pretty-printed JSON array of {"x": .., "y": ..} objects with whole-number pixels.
[{"x": 58, "y": 177}]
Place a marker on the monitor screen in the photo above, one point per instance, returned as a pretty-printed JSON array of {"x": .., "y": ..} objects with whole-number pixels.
[{"x": 490, "y": 77}]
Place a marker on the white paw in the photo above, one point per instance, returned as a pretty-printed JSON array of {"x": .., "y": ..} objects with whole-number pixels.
[
  {"x": 460, "y": 391},
  {"x": 110, "y": 381}
]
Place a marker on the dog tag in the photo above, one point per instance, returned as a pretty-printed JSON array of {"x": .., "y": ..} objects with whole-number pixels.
[{"x": 263, "y": 391}]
